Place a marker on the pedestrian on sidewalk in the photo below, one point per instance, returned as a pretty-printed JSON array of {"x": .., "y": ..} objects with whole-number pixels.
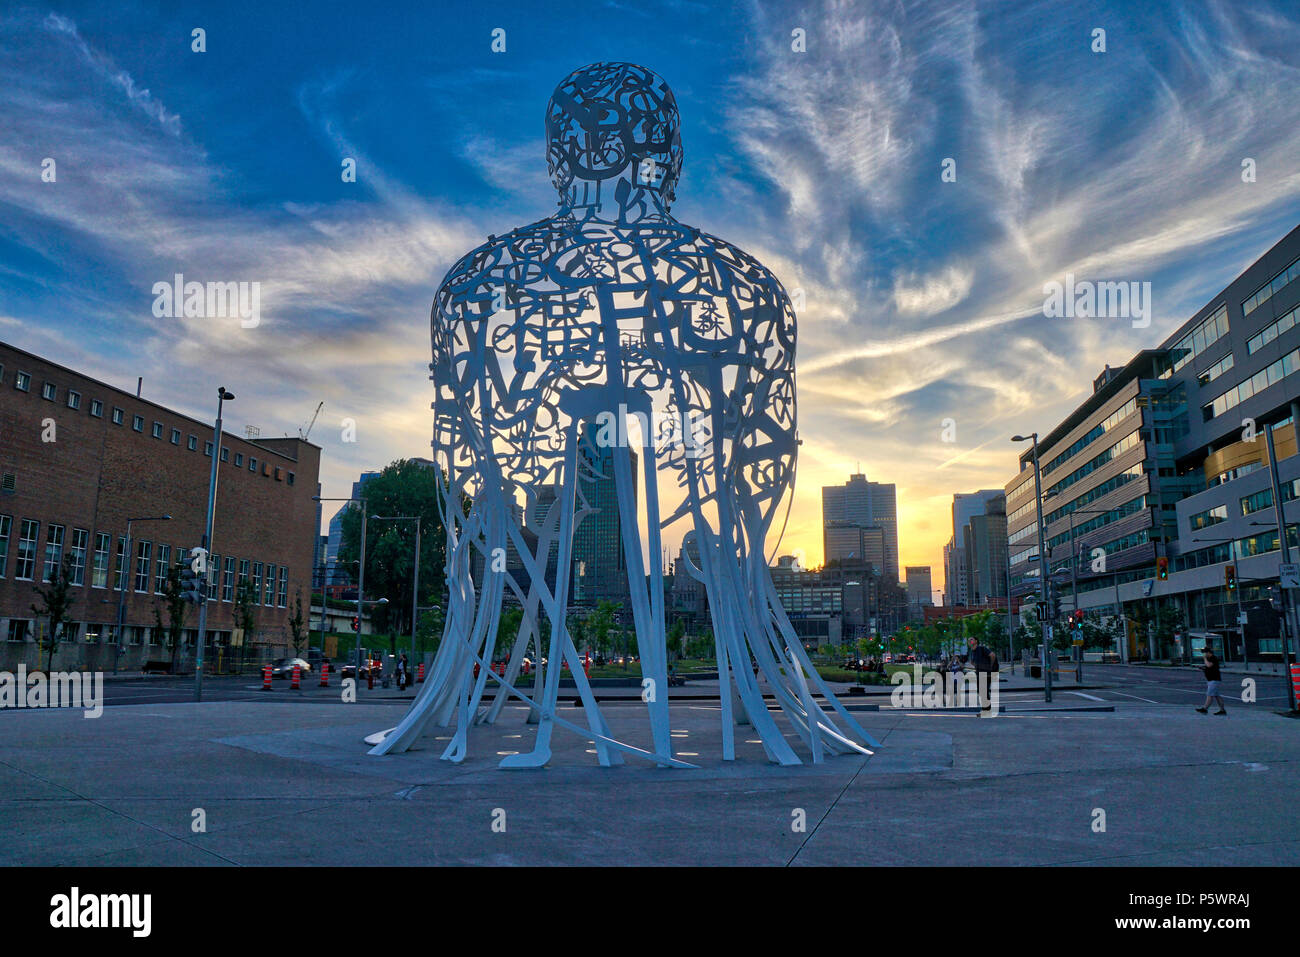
[
  {"x": 401, "y": 672},
  {"x": 954, "y": 670},
  {"x": 1212, "y": 678},
  {"x": 981, "y": 659}
]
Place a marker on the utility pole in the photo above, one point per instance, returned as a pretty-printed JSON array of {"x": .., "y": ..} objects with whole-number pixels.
[
  {"x": 222, "y": 396},
  {"x": 1288, "y": 598}
]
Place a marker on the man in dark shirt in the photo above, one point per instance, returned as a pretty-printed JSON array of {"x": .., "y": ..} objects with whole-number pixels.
[
  {"x": 1212, "y": 677},
  {"x": 981, "y": 659}
]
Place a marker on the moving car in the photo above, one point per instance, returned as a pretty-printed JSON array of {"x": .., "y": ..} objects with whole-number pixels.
[{"x": 283, "y": 667}]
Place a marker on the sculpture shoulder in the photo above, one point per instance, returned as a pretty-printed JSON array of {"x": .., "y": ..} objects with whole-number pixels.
[
  {"x": 740, "y": 264},
  {"x": 486, "y": 263}
]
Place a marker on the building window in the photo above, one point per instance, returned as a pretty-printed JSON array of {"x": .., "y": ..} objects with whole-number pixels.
[
  {"x": 74, "y": 399},
  {"x": 243, "y": 570},
  {"x": 142, "y": 555},
  {"x": 157, "y": 430},
  {"x": 53, "y": 551},
  {"x": 252, "y": 464},
  {"x": 6, "y": 522},
  {"x": 214, "y": 576},
  {"x": 137, "y": 423},
  {"x": 99, "y": 571},
  {"x": 119, "y": 567},
  {"x": 118, "y": 415},
  {"x": 23, "y": 382},
  {"x": 291, "y": 478},
  {"x": 269, "y": 597},
  {"x": 257, "y": 583},
  {"x": 283, "y": 598},
  {"x": 228, "y": 581},
  {"x": 225, "y": 454},
  {"x": 96, "y": 408},
  {"x": 17, "y": 629},
  {"x": 80, "y": 538},
  {"x": 207, "y": 448},
  {"x": 27, "y": 536},
  {"x": 239, "y": 460},
  {"x": 161, "y": 569},
  {"x": 1211, "y": 516},
  {"x": 192, "y": 443},
  {"x": 176, "y": 436},
  {"x": 48, "y": 391}
]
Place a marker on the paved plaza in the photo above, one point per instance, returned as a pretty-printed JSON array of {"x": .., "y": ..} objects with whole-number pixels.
[{"x": 285, "y": 779}]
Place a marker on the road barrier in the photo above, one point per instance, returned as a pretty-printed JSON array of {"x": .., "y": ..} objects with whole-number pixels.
[
  {"x": 325, "y": 674},
  {"x": 266, "y": 678},
  {"x": 420, "y": 674},
  {"x": 297, "y": 674}
]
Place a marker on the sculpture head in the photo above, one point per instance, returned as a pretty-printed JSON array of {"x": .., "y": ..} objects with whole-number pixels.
[{"x": 612, "y": 121}]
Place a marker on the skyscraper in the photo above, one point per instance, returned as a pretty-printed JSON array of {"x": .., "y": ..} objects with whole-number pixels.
[
  {"x": 849, "y": 511},
  {"x": 956, "y": 573}
]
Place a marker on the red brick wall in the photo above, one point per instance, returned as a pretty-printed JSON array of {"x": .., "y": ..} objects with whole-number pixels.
[{"x": 96, "y": 474}]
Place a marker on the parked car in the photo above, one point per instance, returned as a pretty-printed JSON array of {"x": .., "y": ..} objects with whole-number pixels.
[{"x": 283, "y": 667}]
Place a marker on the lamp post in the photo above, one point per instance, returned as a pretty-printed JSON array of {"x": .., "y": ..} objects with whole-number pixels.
[
  {"x": 126, "y": 577},
  {"x": 222, "y": 396},
  {"x": 1042, "y": 568},
  {"x": 415, "y": 585}
]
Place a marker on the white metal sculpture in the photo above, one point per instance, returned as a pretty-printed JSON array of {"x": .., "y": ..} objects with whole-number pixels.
[{"x": 565, "y": 330}]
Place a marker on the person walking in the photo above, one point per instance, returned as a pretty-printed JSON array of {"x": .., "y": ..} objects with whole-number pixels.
[
  {"x": 954, "y": 672},
  {"x": 401, "y": 672},
  {"x": 981, "y": 659},
  {"x": 1212, "y": 678}
]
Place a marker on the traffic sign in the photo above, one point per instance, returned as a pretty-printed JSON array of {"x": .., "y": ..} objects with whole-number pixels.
[{"x": 1289, "y": 573}]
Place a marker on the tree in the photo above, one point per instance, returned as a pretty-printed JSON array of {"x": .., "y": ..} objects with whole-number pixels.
[
  {"x": 177, "y": 610},
  {"x": 244, "y": 614},
  {"x": 297, "y": 630},
  {"x": 601, "y": 621},
  {"x": 507, "y": 632},
  {"x": 429, "y": 632},
  {"x": 405, "y": 487},
  {"x": 56, "y": 603},
  {"x": 578, "y": 631}
]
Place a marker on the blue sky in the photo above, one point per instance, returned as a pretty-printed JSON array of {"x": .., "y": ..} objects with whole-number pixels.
[{"x": 922, "y": 299}]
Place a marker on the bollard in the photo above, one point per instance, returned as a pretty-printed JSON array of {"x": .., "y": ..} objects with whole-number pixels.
[
  {"x": 297, "y": 674},
  {"x": 266, "y": 678},
  {"x": 586, "y": 664},
  {"x": 420, "y": 675},
  {"x": 325, "y": 674},
  {"x": 370, "y": 677}
]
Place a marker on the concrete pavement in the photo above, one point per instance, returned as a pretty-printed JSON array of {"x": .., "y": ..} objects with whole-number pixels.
[{"x": 288, "y": 782}]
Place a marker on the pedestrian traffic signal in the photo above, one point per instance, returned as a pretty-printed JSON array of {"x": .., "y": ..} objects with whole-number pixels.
[
  {"x": 192, "y": 586},
  {"x": 1162, "y": 568},
  {"x": 1230, "y": 577}
]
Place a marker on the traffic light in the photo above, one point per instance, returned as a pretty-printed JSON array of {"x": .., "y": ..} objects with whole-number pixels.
[
  {"x": 1275, "y": 597},
  {"x": 191, "y": 586},
  {"x": 1162, "y": 568},
  {"x": 356, "y": 623},
  {"x": 1230, "y": 577}
]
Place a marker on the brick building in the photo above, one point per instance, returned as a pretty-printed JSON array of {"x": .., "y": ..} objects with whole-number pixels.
[{"x": 78, "y": 458}]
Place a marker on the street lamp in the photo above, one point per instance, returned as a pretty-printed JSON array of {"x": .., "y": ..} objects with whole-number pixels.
[
  {"x": 1042, "y": 568},
  {"x": 126, "y": 577},
  {"x": 415, "y": 586},
  {"x": 222, "y": 395}
]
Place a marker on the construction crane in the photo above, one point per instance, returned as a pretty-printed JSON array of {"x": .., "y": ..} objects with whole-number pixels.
[{"x": 303, "y": 433}]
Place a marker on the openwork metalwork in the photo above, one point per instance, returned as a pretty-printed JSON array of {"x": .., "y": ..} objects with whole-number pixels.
[{"x": 606, "y": 320}]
